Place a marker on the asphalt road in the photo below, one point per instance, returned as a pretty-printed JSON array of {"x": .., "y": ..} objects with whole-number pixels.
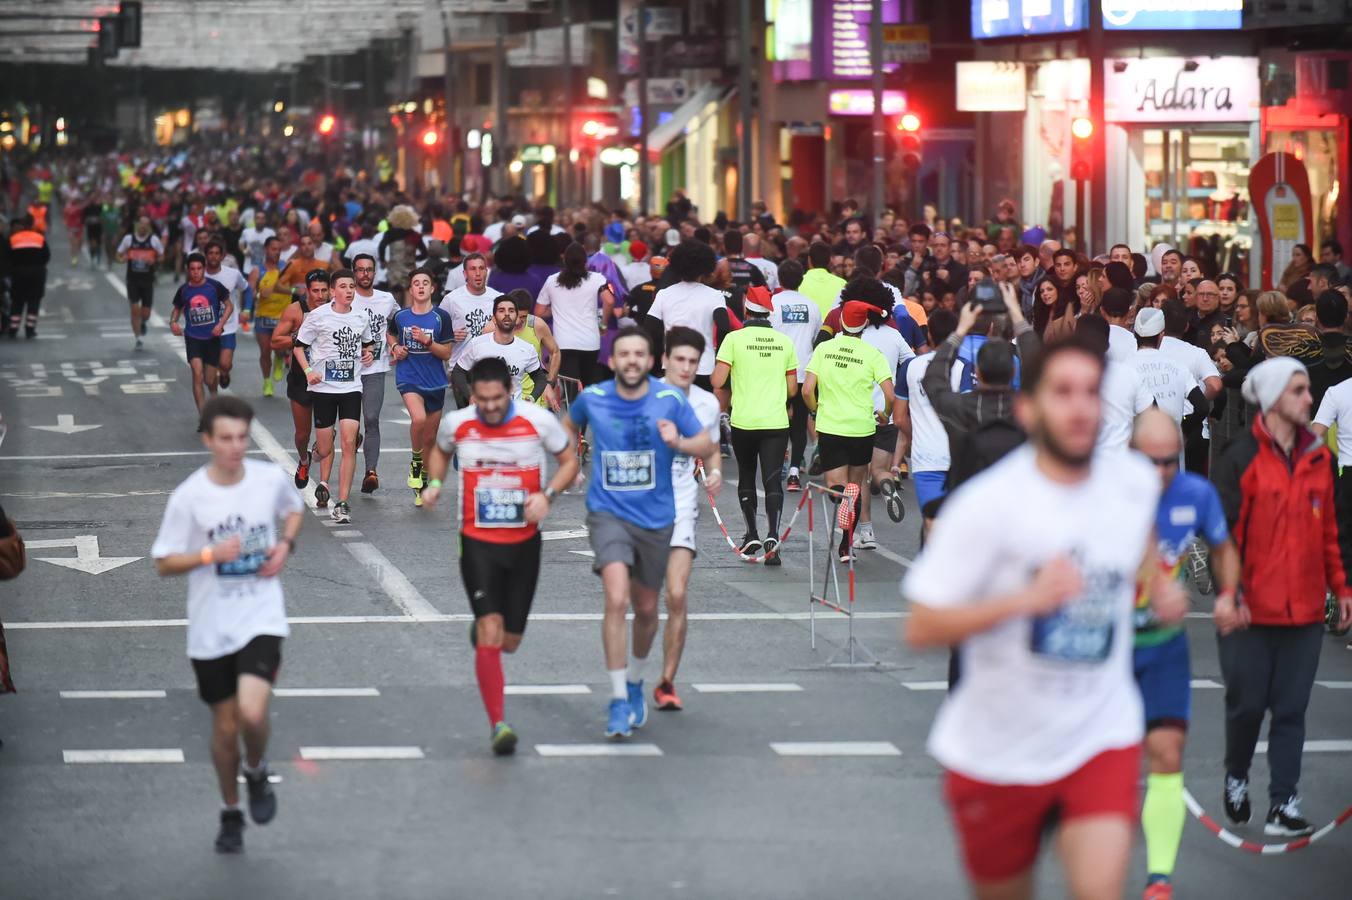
[{"x": 746, "y": 793}]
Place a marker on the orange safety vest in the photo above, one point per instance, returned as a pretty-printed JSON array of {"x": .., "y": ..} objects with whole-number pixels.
[
  {"x": 39, "y": 214},
  {"x": 26, "y": 240}
]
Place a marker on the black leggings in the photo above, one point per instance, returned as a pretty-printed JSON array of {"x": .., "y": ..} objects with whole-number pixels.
[
  {"x": 798, "y": 414},
  {"x": 766, "y": 449}
]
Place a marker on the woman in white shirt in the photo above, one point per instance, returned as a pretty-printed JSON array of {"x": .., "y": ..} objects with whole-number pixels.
[{"x": 569, "y": 301}]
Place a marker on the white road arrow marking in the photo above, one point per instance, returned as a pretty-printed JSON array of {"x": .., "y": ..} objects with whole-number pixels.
[
  {"x": 86, "y": 558},
  {"x": 66, "y": 425}
]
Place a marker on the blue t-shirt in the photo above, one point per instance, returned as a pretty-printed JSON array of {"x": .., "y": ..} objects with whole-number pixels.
[
  {"x": 631, "y": 464},
  {"x": 202, "y": 305},
  {"x": 421, "y": 370},
  {"x": 972, "y": 344},
  {"x": 1189, "y": 508}
]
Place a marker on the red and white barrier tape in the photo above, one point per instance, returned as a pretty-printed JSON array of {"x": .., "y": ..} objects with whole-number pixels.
[
  {"x": 1229, "y": 837},
  {"x": 699, "y": 471}
]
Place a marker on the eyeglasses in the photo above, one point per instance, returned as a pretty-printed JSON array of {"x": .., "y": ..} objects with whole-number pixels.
[{"x": 1164, "y": 462}]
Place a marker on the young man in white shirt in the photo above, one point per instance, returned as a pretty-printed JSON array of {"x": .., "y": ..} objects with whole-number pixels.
[
  {"x": 470, "y": 306},
  {"x": 231, "y": 279},
  {"x": 220, "y": 529},
  {"x": 378, "y": 307},
  {"x": 1047, "y": 718},
  {"x": 340, "y": 343},
  {"x": 522, "y": 359},
  {"x": 1168, "y": 382},
  {"x": 1124, "y": 396}
]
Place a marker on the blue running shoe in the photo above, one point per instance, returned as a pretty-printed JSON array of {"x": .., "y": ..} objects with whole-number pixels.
[
  {"x": 621, "y": 719},
  {"x": 638, "y": 707}
]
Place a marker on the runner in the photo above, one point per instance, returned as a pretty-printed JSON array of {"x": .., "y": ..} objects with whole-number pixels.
[
  {"x": 235, "y": 283},
  {"x": 471, "y": 308},
  {"x": 693, "y": 304},
  {"x": 1189, "y": 509},
  {"x": 522, "y": 359},
  {"x": 839, "y": 389},
  {"x": 297, "y": 386},
  {"x": 885, "y": 465},
  {"x": 1045, "y": 725},
  {"x": 536, "y": 332},
  {"x": 220, "y": 529},
  {"x": 299, "y": 266},
  {"x": 205, "y": 304},
  {"x": 1168, "y": 381},
  {"x": 269, "y": 304},
  {"x": 797, "y": 317},
  {"x": 631, "y": 507},
  {"x": 141, "y": 250},
  {"x": 378, "y": 307},
  {"x": 333, "y": 342},
  {"x": 763, "y": 367},
  {"x": 684, "y": 346},
  {"x": 919, "y": 425},
  {"x": 568, "y": 302},
  {"x": 500, "y": 447},
  {"x": 423, "y": 336}
]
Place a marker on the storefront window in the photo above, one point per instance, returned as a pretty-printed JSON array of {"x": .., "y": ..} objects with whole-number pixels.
[
  {"x": 1318, "y": 149},
  {"x": 1197, "y": 194}
]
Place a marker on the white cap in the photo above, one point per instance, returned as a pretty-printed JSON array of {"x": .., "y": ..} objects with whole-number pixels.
[
  {"x": 673, "y": 237},
  {"x": 519, "y": 220},
  {"x": 1149, "y": 322}
]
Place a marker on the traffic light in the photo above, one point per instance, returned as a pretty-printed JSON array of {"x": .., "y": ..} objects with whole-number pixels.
[
  {"x": 327, "y": 123},
  {"x": 1081, "y": 149},
  {"x": 430, "y": 138},
  {"x": 909, "y": 142}
]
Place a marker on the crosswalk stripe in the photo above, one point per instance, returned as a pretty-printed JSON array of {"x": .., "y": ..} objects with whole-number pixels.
[
  {"x": 113, "y": 695},
  {"x": 769, "y": 688},
  {"x": 320, "y": 754},
  {"x": 326, "y": 692},
  {"x": 1336, "y": 685},
  {"x": 74, "y": 757},
  {"x": 544, "y": 690},
  {"x": 836, "y": 748},
  {"x": 1205, "y": 683},
  {"x": 1315, "y": 747},
  {"x": 557, "y": 750},
  {"x": 925, "y": 685}
]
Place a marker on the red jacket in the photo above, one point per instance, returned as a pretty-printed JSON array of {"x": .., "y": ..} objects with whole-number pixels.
[{"x": 1281, "y": 514}]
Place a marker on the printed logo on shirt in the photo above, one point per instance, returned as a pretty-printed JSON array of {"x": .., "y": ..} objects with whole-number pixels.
[
  {"x": 1082, "y": 630},
  {"x": 347, "y": 344},
  {"x": 377, "y": 329},
  {"x": 1183, "y": 516},
  {"x": 200, "y": 311},
  {"x": 475, "y": 320}
]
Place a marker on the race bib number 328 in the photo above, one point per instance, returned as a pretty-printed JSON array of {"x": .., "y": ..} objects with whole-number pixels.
[
  {"x": 499, "y": 507},
  {"x": 628, "y": 470}
]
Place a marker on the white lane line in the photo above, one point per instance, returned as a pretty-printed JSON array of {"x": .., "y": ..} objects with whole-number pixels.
[
  {"x": 598, "y": 750},
  {"x": 1336, "y": 685},
  {"x": 925, "y": 685},
  {"x": 1205, "y": 684},
  {"x": 273, "y": 778},
  {"x": 452, "y": 618},
  {"x": 545, "y": 690},
  {"x": 48, "y": 456},
  {"x": 319, "y": 754},
  {"x": 769, "y": 688},
  {"x": 347, "y": 535},
  {"x": 392, "y": 581},
  {"x": 1315, "y": 747},
  {"x": 837, "y": 748},
  {"x": 326, "y": 692},
  {"x": 888, "y": 554},
  {"x": 75, "y": 757},
  {"x": 113, "y": 695}
]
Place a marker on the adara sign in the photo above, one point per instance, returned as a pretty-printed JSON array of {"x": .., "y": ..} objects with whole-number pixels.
[{"x": 1175, "y": 89}]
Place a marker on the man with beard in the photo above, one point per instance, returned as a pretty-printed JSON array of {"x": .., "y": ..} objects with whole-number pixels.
[
  {"x": 1016, "y": 571},
  {"x": 378, "y": 307}
]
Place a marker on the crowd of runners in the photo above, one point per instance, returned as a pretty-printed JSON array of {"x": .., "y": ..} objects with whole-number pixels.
[{"x": 1088, "y": 439}]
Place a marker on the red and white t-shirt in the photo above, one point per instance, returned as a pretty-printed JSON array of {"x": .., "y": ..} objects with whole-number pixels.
[{"x": 500, "y": 466}]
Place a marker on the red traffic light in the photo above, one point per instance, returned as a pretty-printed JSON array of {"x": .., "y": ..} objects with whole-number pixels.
[
  {"x": 430, "y": 138},
  {"x": 1082, "y": 128},
  {"x": 909, "y": 122},
  {"x": 1081, "y": 149},
  {"x": 327, "y": 123}
]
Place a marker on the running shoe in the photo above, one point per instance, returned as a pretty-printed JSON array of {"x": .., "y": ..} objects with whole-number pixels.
[
  {"x": 1237, "y": 800},
  {"x": 415, "y": 476},
  {"x": 843, "y": 551},
  {"x": 666, "y": 698},
  {"x": 750, "y": 545},
  {"x": 267, "y": 387},
  {"x": 1285, "y": 820},
  {"x": 225, "y": 380},
  {"x": 342, "y": 513},
  {"x": 371, "y": 482},
  {"x": 1159, "y": 890},
  {"x": 864, "y": 539},
  {"x": 815, "y": 467},
  {"x": 638, "y": 706},
  {"x": 278, "y": 370},
  {"x": 140, "y": 344},
  {"x": 892, "y": 498},
  {"x": 793, "y": 484},
  {"x": 230, "y": 839},
  {"x": 321, "y": 495},
  {"x": 772, "y": 559},
  {"x": 771, "y": 545},
  {"x": 620, "y": 724},
  {"x": 303, "y": 474},
  {"x": 262, "y": 800},
  {"x": 1200, "y": 567},
  {"x": 504, "y": 739}
]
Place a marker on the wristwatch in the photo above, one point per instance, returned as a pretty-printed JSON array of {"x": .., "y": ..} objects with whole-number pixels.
[
  {"x": 290, "y": 544},
  {"x": 550, "y": 493}
]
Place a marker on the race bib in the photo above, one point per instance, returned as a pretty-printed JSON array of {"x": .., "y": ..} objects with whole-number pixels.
[
  {"x": 201, "y": 314},
  {"x": 793, "y": 314},
  {"x": 628, "y": 470},
  {"x": 253, "y": 552},
  {"x": 340, "y": 370},
  {"x": 265, "y": 323},
  {"x": 1079, "y": 632},
  {"x": 500, "y": 507}
]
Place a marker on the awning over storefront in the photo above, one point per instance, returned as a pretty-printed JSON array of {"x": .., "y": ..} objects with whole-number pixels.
[{"x": 670, "y": 131}]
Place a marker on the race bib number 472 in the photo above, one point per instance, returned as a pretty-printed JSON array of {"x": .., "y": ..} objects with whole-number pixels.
[{"x": 628, "y": 470}]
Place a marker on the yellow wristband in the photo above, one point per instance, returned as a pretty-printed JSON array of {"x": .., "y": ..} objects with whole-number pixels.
[{"x": 208, "y": 556}]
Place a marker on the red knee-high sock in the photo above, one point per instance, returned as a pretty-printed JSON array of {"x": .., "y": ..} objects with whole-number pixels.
[{"x": 488, "y": 669}]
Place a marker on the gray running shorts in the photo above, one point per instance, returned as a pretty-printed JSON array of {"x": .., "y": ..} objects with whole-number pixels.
[{"x": 643, "y": 550}]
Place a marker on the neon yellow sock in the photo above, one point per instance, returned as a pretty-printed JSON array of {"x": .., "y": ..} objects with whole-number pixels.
[{"x": 1162, "y": 817}]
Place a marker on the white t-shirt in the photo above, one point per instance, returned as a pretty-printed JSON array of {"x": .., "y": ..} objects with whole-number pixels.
[
  {"x": 335, "y": 339},
  {"x": 799, "y": 319},
  {"x": 691, "y": 304},
  {"x": 286, "y": 254},
  {"x": 1194, "y": 359},
  {"x": 253, "y": 241},
  {"x": 522, "y": 359},
  {"x": 1121, "y": 343},
  {"x": 378, "y": 308},
  {"x": 230, "y": 279},
  {"x": 1166, "y": 379},
  {"x": 1040, "y": 697},
  {"x": 494, "y": 231},
  {"x": 470, "y": 312},
  {"x": 324, "y": 252},
  {"x": 683, "y": 484},
  {"x": 636, "y": 273},
  {"x": 889, "y": 342},
  {"x": 228, "y": 604},
  {"x": 369, "y": 246},
  {"x": 575, "y": 315},
  {"x": 929, "y": 440},
  {"x": 768, "y": 269},
  {"x": 1336, "y": 409},
  {"x": 1124, "y": 398},
  {"x": 455, "y": 278}
]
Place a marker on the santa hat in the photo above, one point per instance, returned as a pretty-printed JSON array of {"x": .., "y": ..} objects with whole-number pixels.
[
  {"x": 854, "y": 315},
  {"x": 637, "y": 250},
  {"x": 759, "y": 300}
]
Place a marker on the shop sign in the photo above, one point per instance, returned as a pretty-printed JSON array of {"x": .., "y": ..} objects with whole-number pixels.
[
  {"x": 1279, "y": 187},
  {"x": 844, "y": 24},
  {"x": 906, "y": 43},
  {"x": 1008, "y": 18},
  {"x": 668, "y": 91},
  {"x": 992, "y": 86},
  {"x": 1175, "y": 89},
  {"x": 1172, "y": 15},
  {"x": 659, "y": 22},
  {"x": 859, "y": 102}
]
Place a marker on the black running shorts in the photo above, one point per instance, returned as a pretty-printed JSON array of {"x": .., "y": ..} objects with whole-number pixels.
[
  {"x": 218, "y": 679},
  {"x": 142, "y": 292},
  {"x": 329, "y": 408},
  {"x": 297, "y": 388},
  {"x": 500, "y": 578},
  {"x": 838, "y": 452},
  {"x": 885, "y": 438}
]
